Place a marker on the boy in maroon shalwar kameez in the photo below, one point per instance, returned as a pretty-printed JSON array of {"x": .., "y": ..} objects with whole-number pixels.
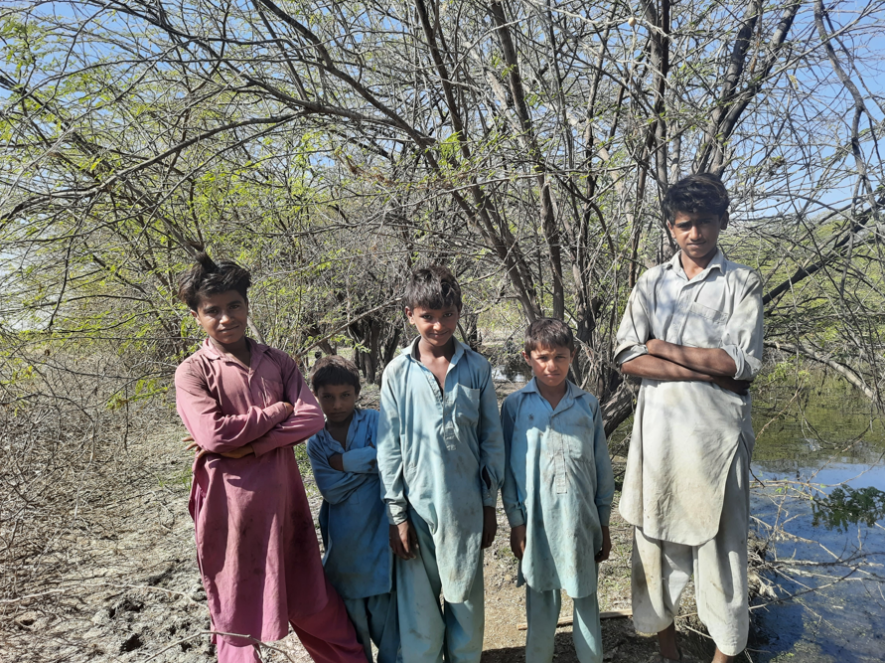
[{"x": 246, "y": 405}]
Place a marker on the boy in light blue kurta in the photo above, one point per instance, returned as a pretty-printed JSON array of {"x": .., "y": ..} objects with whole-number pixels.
[
  {"x": 441, "y": 457},
  {"x": 353, "y": 521},
  {"x": 557, "y": 493}
]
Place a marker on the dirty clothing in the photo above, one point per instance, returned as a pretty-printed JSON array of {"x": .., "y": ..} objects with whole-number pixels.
[
  {"x": 433, "y": 450},
  {"x": 256, "y": 544},
  {"x": 431, "y": 632},
  {"x": 326, "y": 635},
  {"x": 376, "y": 619},
  {"x": 542, "y": 610},
  {"x": 353, "y": 520},
  {"x": 661, "y": 570},
  {"x": 353, "y": 524},
  {"x": 685, "y": 433},
  {"x": 559, "y": 484}
]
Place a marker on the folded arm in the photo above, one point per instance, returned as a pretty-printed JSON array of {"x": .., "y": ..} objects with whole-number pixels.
[
  {"x": 306, "y": 418},
  {"x": 335, "y": 486},
  {"x": 211, "y": 429}
]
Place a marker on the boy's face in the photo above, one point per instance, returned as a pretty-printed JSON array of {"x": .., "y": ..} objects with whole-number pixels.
[
  {"x": 550, "y": 364},
  {"x": 697, "y": 233},
  {"x": 337, "y": 401},
  {"x": 224, "y": 316},
  {"x": 436, "y": 325}
]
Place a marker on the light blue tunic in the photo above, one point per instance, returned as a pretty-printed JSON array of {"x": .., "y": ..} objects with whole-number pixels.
[
  {"x": 559, "y": 484},
  {"x": 358, "y": 559},
  {"x": 433, "y": 448}
]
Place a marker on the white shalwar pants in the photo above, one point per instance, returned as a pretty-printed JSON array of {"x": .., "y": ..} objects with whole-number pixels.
[{"x": 661, "y": 571}]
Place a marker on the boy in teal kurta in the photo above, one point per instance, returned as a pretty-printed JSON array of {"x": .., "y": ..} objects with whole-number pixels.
[
  {"x": 557, "y": 493},
  {"x": 441, "y": 458},
  {"x": 353, "y": 521}
]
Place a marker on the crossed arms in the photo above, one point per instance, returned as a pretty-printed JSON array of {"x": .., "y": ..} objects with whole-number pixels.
[{"x": 679, "y": 363}]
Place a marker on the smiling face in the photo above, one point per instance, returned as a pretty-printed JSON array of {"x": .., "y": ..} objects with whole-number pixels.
[
  {"x": 436, "y": 325},
  {"x": 337, "y": 401},
  {"x": 697, "y": 233},
  {"x": 223, "y": 316},
  {"x": 550, "y": 364}
]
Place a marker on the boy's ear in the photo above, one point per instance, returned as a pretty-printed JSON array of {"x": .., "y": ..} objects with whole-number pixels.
[
  {"x": 408, "y": 313},
  {"x": 527, "y": 357},
  {"x": 723, "y": 221}
]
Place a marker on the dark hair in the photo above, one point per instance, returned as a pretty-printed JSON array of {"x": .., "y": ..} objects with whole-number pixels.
[
  {"x": 549, "y": 333},
  {"x": 433, "y": 287},
  {"x": 207, "y": 277},
  {"x": 334, "y": 370},
  {"x": 703, "y": 192}
]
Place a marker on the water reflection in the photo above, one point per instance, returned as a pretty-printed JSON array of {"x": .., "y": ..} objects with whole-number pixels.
[{"x": 826, "y": 541}]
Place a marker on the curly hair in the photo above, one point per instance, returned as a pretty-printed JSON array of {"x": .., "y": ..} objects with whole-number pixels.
[
  {"x": 548, "y": 333},
  {"x": 334, "y": 370},
  {"x": 433, "y": 287}
]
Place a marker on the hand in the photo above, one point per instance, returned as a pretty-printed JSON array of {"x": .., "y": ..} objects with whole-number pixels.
[
  {"x": 489, "y": 525},
  {"x": 741, "y": 387},
  {"x": 603, "y": 554},
  {"x": 403, "y": 540},
  {"x": 289, "y": 409},
  {"x": 517, "y": 541},
  {"x": 239, "y": 453},
  {"x": 337, "y": 462},
  {"x": 193, "y": 446}
]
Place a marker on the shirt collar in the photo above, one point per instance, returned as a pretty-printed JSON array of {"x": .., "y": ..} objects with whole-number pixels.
[
  {"x": 717, "y": 262},
  {"x": 572, "y": 392},
  {"x": 412, "y": 350},
  {"x": 212, "y": 352}
]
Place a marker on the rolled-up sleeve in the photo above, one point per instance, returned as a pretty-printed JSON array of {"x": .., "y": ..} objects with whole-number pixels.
[
  {"x": 635, "y": 325},
  {"x": 743, "y": 335},
  {"x": 390, "y": 455}
]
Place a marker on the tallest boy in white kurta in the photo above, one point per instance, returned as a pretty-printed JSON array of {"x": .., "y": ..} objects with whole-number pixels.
[{"x": 693, "y": 332}]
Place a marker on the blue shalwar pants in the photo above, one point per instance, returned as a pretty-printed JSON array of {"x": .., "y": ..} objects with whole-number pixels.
[
  {"x": 542, "y": 612},
  {"x": 375, "y": 620},
  {"x": 430, "y": 632}
]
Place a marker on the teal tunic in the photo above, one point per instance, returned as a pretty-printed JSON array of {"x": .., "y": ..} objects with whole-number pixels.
[
  {"x": 433, "y": 450},
  {"x": 559, "y": 484},
  {"x": 358, "y": 559}
]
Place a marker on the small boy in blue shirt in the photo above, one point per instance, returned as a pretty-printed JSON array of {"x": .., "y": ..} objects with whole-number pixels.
[
  {"x": 441, "y": 458},
  {"x": 353, "y": 521},
  {"x": 557, "y": 493}
]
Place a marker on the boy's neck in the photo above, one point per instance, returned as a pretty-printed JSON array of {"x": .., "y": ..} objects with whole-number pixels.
[
  {"x": 694, "y": 266},
  {"x": 554, "y": 394},
  {"x": 446, "y": 351},
  {"x": 339, "y": 430},
  {"x": 240, "y": 350}
]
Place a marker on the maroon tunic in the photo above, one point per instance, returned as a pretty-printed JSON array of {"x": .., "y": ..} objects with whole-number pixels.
[{"x": 256, "y": 542}]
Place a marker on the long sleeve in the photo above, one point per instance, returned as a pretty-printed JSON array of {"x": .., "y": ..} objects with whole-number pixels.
[
  {"x": 605, "y": 480},
  {"x": 390, "y": 455},
  {"x": 360, "y": 461},
  {"x": 635, "y": 326},
  {"x": 743, "y": 332},
  {"x": 210, "y": 427},
  {"x": 491, "y": 443},
  {"x": 306, "y": 419},
  {"x": 513, "y": 507},
  {"x": 335, "y": 486}
]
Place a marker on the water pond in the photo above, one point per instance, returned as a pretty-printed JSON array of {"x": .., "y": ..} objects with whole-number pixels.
[{"x": 819, "y": 464}]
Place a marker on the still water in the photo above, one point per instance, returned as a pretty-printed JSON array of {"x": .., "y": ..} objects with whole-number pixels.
[{"x": 828, "y": 554}]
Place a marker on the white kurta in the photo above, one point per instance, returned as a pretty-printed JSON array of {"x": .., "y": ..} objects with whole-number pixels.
[{"x": 685, "y": 434}]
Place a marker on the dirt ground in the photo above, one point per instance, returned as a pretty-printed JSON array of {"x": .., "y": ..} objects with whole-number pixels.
[{"x": 127, "y": 586}]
